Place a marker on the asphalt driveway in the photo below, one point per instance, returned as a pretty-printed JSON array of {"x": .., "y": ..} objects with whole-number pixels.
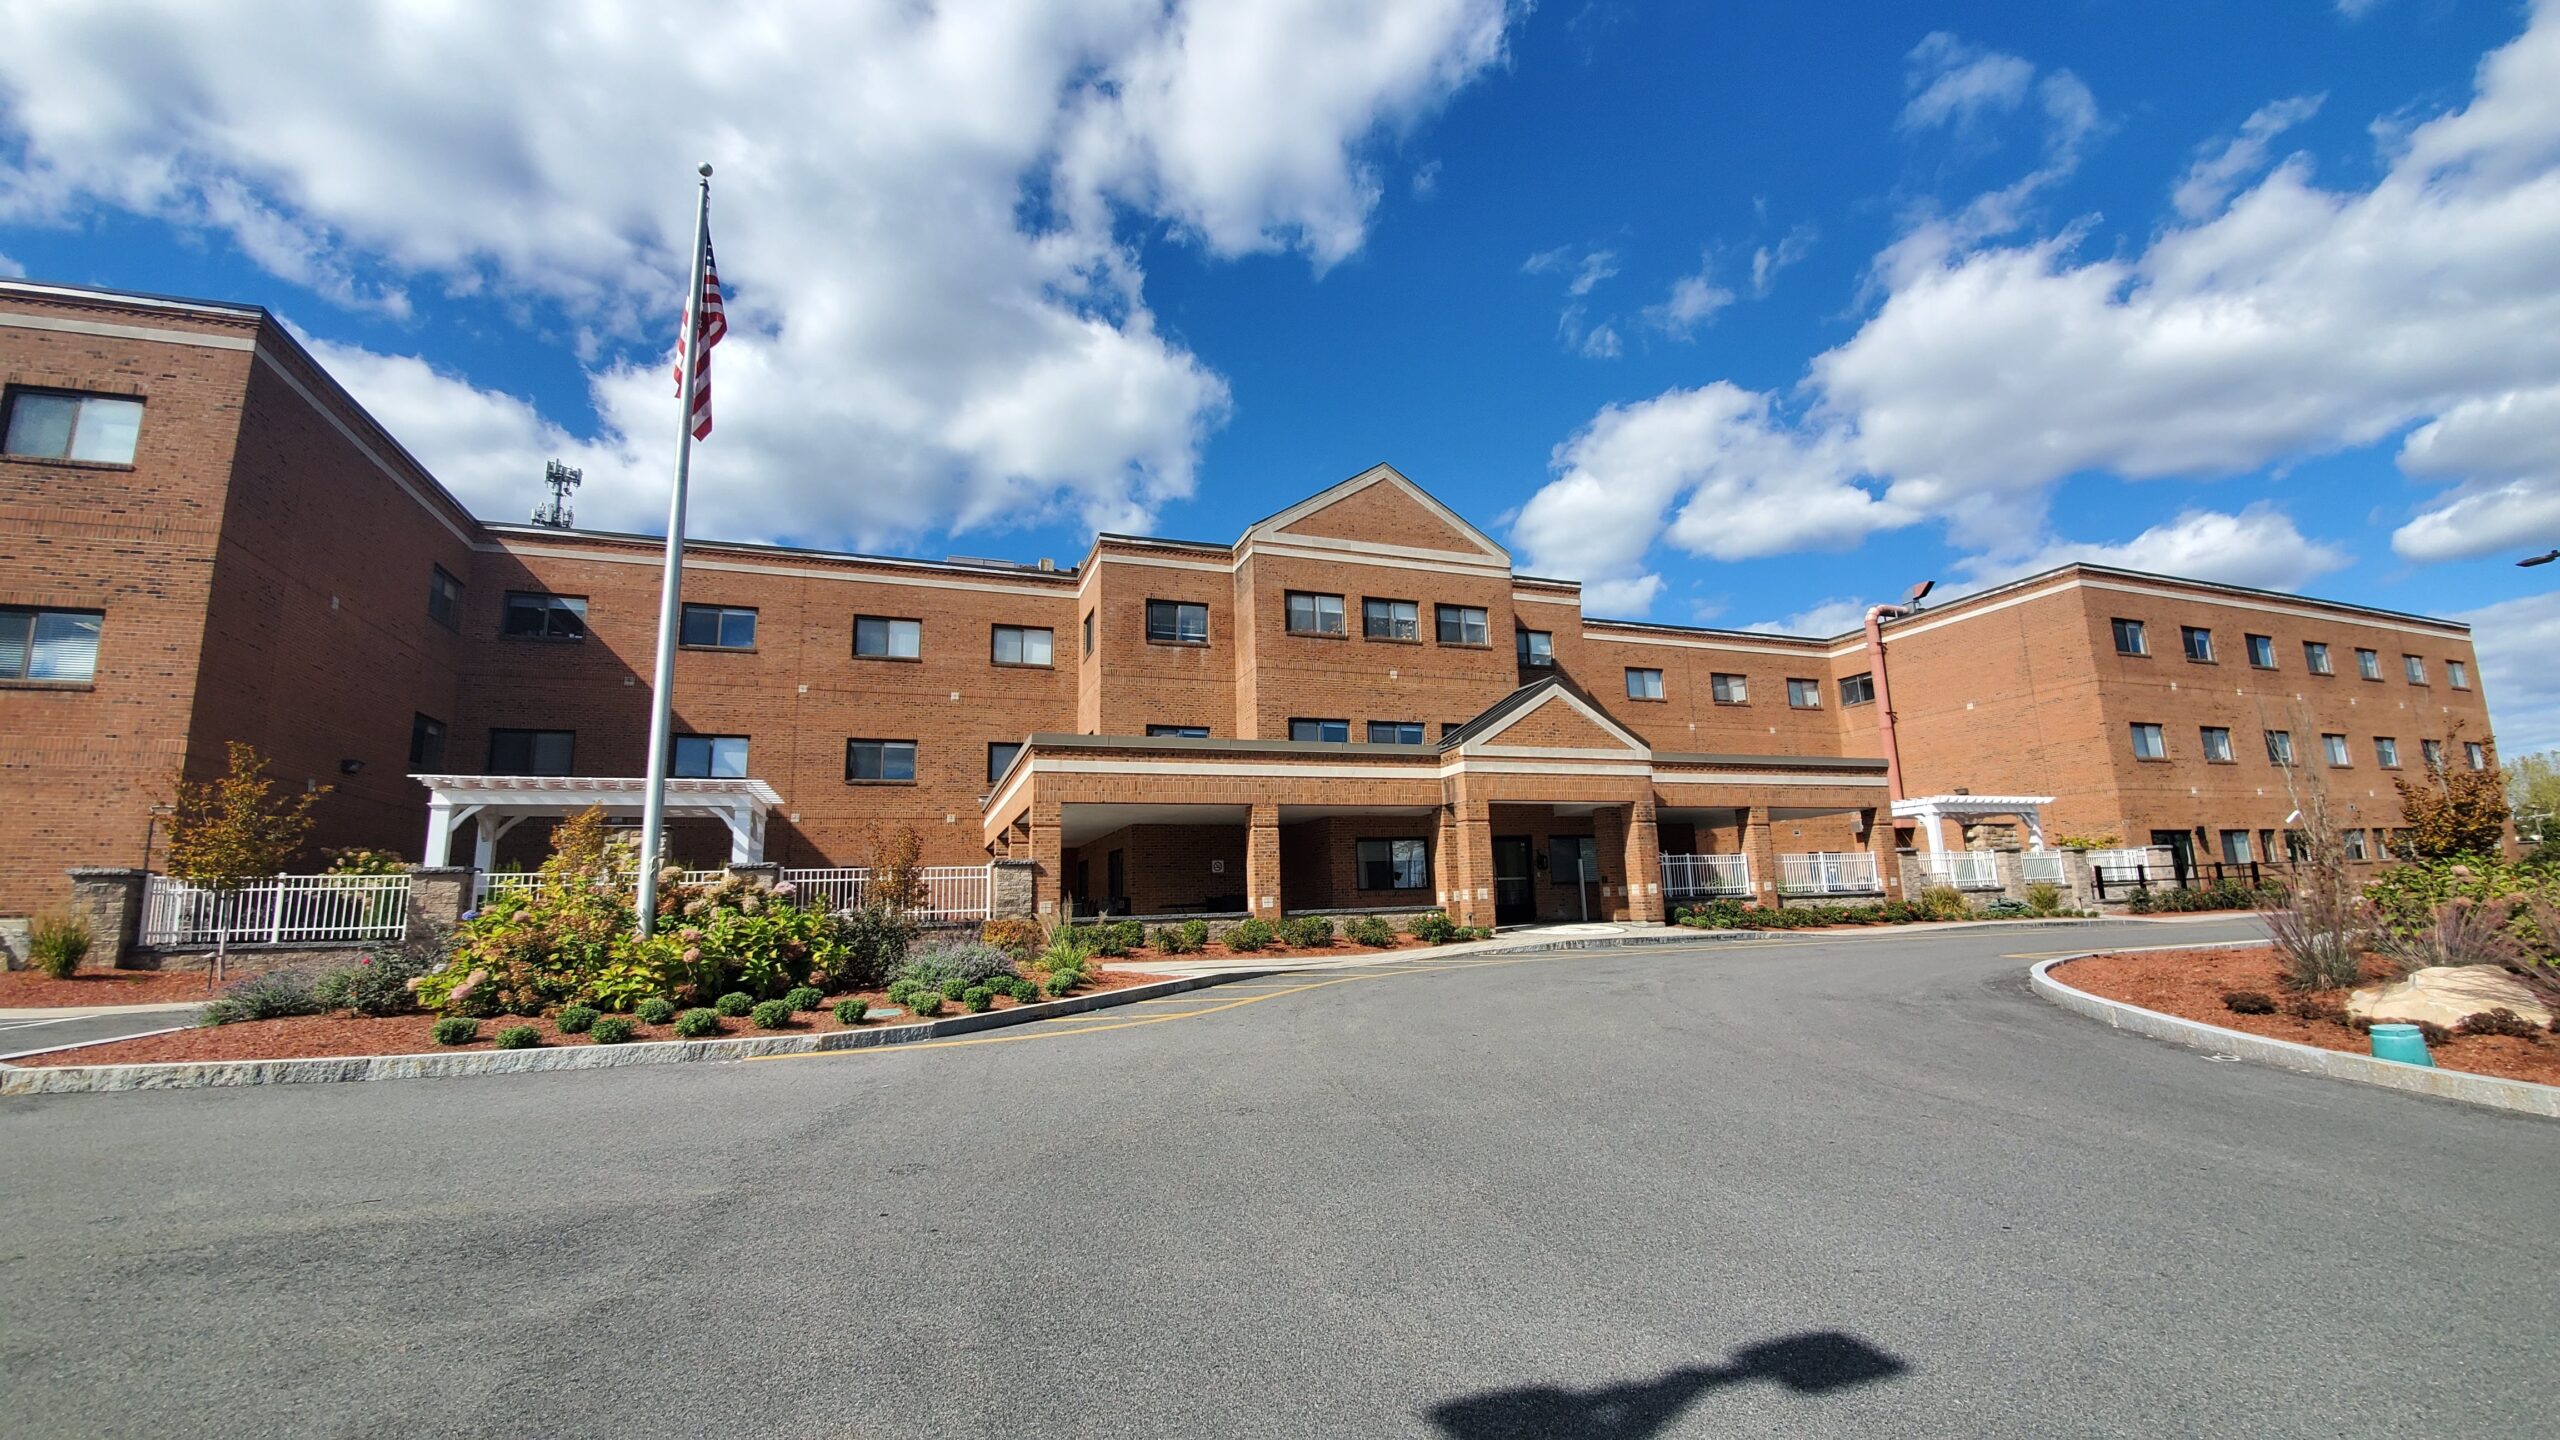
[{"x": 1861, "y": 1187}]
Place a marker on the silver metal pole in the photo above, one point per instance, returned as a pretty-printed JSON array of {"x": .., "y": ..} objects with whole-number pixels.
[{"x": 653, "y": 809}]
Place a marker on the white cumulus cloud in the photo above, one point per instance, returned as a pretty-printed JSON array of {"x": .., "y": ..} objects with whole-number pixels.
[
  {"x": 2258, "y": 546},
  {"x": 2516, "y": 640}
]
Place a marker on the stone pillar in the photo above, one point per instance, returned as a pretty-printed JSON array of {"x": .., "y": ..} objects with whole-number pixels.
[
  {"x": 439, "y": 896},
  {"x": 111, "y": 902},
  {"x": 2011, "y": 870},
  {"x": 1262, "y": 861},
  {"x": 1916, "y": 875},
  {"x": 1880, "y": 845},
  {"x": 1012, "y": 887},
  {"x": 2079, "y": 880},
  {"x": 768, "y": 871},
  {"x": 1762, "y": 851}
]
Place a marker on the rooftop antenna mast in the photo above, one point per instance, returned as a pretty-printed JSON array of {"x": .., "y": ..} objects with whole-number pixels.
[{"x": 556, "y": 513}]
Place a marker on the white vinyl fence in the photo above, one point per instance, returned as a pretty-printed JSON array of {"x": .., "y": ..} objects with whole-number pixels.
[
  {"x": 2041, "y": 868},
  {"x": 1964, "y": 869},
  {"x": 1829, "y": 872},
  {"x": 286, "y": 910},
  {"x": 483, "y": 884},
  {"x": 2157, "y": 864},
  {"x": 951, "y": 892},
  {"x": 1713, "y": 875}
]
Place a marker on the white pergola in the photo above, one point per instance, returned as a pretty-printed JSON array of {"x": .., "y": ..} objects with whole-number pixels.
[
  {"x": 1928, "y": 810},
  {"x": 500, "y": 802}
]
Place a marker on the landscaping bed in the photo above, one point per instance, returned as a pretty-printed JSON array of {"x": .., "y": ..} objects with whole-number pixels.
[
  {"x": 309, "y": 1036},
  {"x": 2191, "y": 984},
  {"x": 31, "y": 988}
]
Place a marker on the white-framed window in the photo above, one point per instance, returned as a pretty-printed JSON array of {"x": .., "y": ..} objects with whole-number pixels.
[
  {"x": 2198, "y": 641},
  {"x": 2235, "y": 847},
  {"x": 1804, "y": 694},
  {"x": 2475, "y": 754},
  {"x": 2150, "y": 742},
  {"x": 717, "y": 627},
  {"x": 1395, "y": 732},
  {"x": 1463, "y": 625},
  {"x": 1177, "y": 622},
  {"x": 2415, "y": 667},
  {"x": 2336, "y": 748},
  {"x": 2457, "y": 674},
  {"x": 889, "y": 762},
  {"x": 2386, "y": 752},
  {"x": 444, "y": 598},
  {"x": 2315, "y": 657},
  {"x": 2432, "y": 753},
  {"x": 1000, "y": 757},
  {"x": 55, "y": 645},
  {"x": 1644, "y": 684},
  {"x": 1313, "y": 614},
  {"x": 535, "y": 616},
  {"x": 1394, "y": 864},
  {"x": 709, "y": 757},
  {"x": 1033, "y": 645},
  {"x": 1537, "y": 649},
  {"x": 1177, "y": 732},
  {"x": 2369, "y": 663},
  {"x": 2280, "y": 747},
  {"x": 2262, "y": 651},
  {"x": 1335, "y": 732},
  {"x": 2353, "y": 840},
  {"x": 1858, "y": 689},
  {"x": 426, "y": 744},
  {"x": 1390, "y": 619},
  {"x": 1730, "y": 689},
  {"x": 2217, "y": 743},
  {"x": 60, "y": 425},
  {"x": 887, "y": 637},
  {"x": 2130, "y": 639}
]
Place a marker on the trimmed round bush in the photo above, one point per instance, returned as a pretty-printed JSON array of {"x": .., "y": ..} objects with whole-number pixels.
[
  {"x": 804, "y": 999},
  {"x": 735, "y": 1003},
  {"x": 772, "y": 1014},
  {"x": 850, "y": 1012},
  {"x": 927, "y": 1003},
  {"x": 656, "y": 1010},
  {"x": 457, "y": 1030},
  {"x": 1249, "y": 936},
  {"x": 697, "y": 1022},
  {"x": 956, "y": 989},
  {"x": 1372, "y": 931},
  {"x": 1434, "y": 928},
  {"x": 977, "y": 999},
  {"x": 518, "y": 1037},
  {"x": 1022, "y": 989},
  {"x": 1062, "y": 982},
  {"x": 610, "y": 1030},
  {"x": 576, "y": 1019},
  {"x": 1308, "y": 932}
]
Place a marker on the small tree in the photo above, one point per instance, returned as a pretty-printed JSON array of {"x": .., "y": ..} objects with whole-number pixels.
[
  {"x": 897, "y": 873},
  {"x": 228, "y": 834},
  {"x": 2533, "y": 796},
  {"x": 2455, "y": 811},
  {"x": 2320, "y": 922}
]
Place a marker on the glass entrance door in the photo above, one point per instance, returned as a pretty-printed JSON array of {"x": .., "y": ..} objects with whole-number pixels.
[{"x": 1515, "y": 893}]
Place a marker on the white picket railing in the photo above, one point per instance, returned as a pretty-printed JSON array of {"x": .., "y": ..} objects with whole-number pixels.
[
  {"x": 2042, "y": 868},
  {"x": 1841, "y": 872},
  {"x": 2157, "y": 863},
  {"x": 284, "y": 910},
  {"x": 1685, "y": 875},
  {"x": 951, "y": 892},
  {"x": 1964, "y": 869},
  {"x": 482, "y": 884}
]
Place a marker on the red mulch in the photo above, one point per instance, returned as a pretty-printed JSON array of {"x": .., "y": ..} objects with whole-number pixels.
[
  {"x": 2190, "y": 984},
  {"x": 318, "y": 1035},
  {"x": 103, "y": 987}
]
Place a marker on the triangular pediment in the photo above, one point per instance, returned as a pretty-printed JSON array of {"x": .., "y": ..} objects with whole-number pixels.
[
  {"x": 1547, "y": 717},
  {"x": 1380, "y": 509}
]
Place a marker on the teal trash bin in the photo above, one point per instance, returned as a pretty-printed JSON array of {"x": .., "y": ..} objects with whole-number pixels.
[{"x": 2402, "y": 1043}]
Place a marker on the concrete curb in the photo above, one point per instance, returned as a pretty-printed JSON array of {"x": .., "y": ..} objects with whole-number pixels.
[
  {"x": 85, "y": 1044},
  {"x": 91, "y": 1012},
  {"x": 2470, "y": 1089},
  {"x": 223, "y": 1074}
]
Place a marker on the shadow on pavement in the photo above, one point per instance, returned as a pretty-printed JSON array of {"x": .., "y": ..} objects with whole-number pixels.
[{"x": 1814, "y": 1363}]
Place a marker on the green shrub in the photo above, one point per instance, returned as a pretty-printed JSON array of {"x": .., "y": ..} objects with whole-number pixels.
[
  {"x": 656, "y": 1010},
  {"x": 1062, "y": 981},
  {"x": 1372, "y": 931},
  {"x": 806, "y": 998},
  {"x": 2044, "y": 898},
  {"x": 1308, "y": 932},
  {"x": 1018, "y": 936},
  {"x": 611, "y": 1030},
  {"x": 850, "y": 1012},
  {"x": 383, "y": 982},
  {"x": 772, "y": 1014},
  {"x": 1434, "y": 928},
  {"x": 56, "y": 944},
  {"x": 1112, "y": 938},
  {"x": 735, "y": 1003},
  {"x": 1176, "y": 939},
  {"x": 1195, "y": 933},
  {"x": 2500, "y": 1021},
  {"x": 977, "y": 999},
  {"x": 954, "y": 989},
  {"x": 1249, "y": 935},
  {"x": 2007, "y": 908},
  {"x": 2314, "y": 1008},
  {"x": 926, "y": 1003},
  {"x": 576, "y": 1019},
  {"x": 1944, "y": 902},
  {"x": 1022, "y": 990},
  {"x": 456, "y": 1030},
  {"x": 964, "y": 963},
  {"x": 902, "y": 993},
  {"x": 1067, "y": 955},
  {"x": 697, "y": 1022},
  {"x": 518, "y": 1037},
  {"x": 276, "y": 995},
  {"x": 871, "y": 943},
  {"x": 2248, "y": 1002}
]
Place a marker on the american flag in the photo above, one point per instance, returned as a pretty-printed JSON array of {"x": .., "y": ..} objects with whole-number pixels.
[{"x": 707, "y": 322}]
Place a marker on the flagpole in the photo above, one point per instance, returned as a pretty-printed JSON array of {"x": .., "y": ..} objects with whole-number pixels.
[{"x": 653, "y": 811}]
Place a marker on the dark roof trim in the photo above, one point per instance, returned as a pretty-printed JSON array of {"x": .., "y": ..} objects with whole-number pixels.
[
  {"x": 2155, "y": 578},
  {"x": 184, "y": 302},
  {"x": 1855, "y": 763},
  {"x": 1362, "y": 748},
  {"x": 1711, "y": 630},
  {"x": 693, "y": 543}
]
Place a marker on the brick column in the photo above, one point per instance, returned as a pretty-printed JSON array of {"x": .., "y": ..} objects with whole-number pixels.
[
  {"x": 111, "y": 902},
  {"x": 1467, "y": 862},
  {"x": 1047, "y": 852},
  {"x": 1012, "y": 889},
  {"x": 1880, "y": 845},
  {"x": 439, "y": 896},
  {"x": 1763, "y": 852},
  {"x": 1641, "y": 844},
  {"x": 1262, "y": 862}
]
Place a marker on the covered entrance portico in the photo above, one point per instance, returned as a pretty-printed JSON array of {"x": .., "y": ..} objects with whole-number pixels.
[{"x": 495, "y": 804}]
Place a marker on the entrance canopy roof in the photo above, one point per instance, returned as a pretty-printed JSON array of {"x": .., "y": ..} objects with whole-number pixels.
[
  {"x": 1928, "y": 810},
  {"x": 500, "y": 802}
]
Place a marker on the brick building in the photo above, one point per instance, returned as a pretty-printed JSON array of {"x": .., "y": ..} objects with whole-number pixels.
[{"x": 1357, "y": 704}]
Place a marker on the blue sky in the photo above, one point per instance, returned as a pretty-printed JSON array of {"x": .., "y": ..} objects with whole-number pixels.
[{"x": 1743, "y": 315}]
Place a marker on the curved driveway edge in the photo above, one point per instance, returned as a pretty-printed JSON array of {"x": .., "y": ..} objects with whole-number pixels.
[
  {"x": 328, "y": 1069},
  {"x": 2489, "y": 1090}
]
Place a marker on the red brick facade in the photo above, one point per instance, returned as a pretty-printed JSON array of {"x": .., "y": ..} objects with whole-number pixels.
[{"x": 263, "y": 564}]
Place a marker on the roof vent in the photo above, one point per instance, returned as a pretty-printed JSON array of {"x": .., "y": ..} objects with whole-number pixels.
[{"x": 1048, "y": 564}]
